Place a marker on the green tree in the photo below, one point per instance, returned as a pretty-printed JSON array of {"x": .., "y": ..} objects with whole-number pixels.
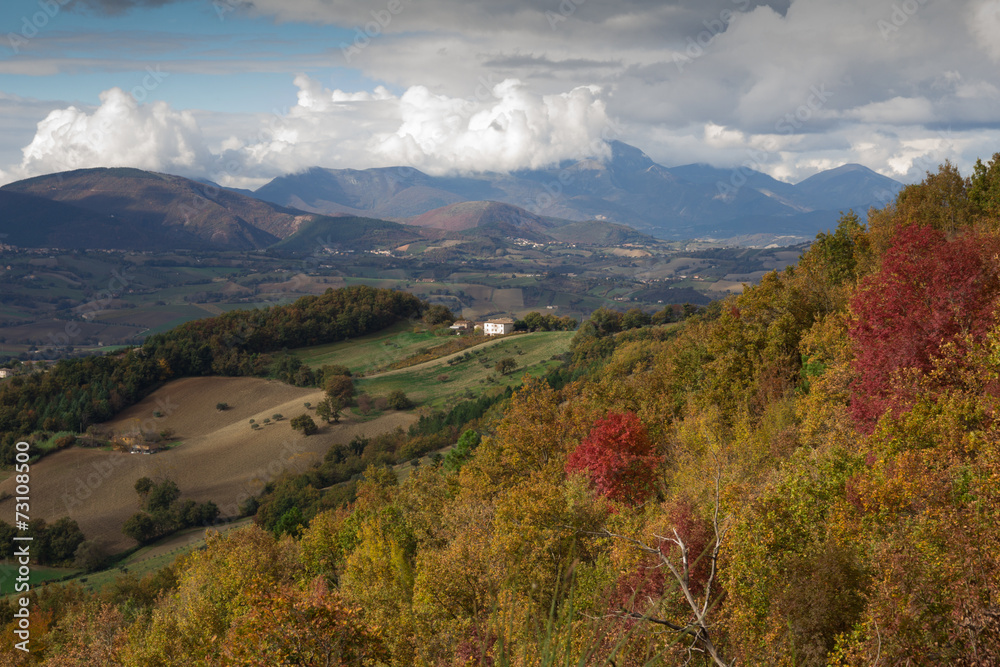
[
  {"x": 438, "y": 314},
  {"x": 398, "y": 400},
  {"x": 329, "y": 410},
  {"x": 505, "y": 365},
  {"x": 141, "y": 527},
  {"x": 462, "y": 450},
  {"x": 144, "y": 485},
  {"x": 305, "y": 424},
  {"x": 984, "y": 187},
  {"x": 162, "y": 496}
]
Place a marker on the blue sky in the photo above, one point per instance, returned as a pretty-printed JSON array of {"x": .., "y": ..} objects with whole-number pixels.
[
  {"x": 242, "y": 91},
  {"x": 247, "y": 60}
]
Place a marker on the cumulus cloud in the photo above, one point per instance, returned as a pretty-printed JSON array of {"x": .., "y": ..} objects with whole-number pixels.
[
  {"x": 120, "y": 132},
  {"x": 510, "y": 128},
  {"x": 505, "y": 126},
  {"x": 486, "y": 85}
]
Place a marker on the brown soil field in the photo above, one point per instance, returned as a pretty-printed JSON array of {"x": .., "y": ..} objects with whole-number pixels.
[{"x": 218, "y": 458}]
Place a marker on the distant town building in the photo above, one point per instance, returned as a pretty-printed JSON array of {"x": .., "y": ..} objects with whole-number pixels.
[
  {"x": 462, "y": 326},
  {"x": 498, "y": 327},
  {"x": 5, "y": 373}
]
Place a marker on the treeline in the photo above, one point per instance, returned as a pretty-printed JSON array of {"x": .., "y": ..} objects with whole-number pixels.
[
  {"x": 51, "y": 543},
  {"x": 74, "y": 393}
]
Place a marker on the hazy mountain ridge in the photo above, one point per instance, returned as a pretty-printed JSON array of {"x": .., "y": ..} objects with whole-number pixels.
[
  {"x": 140, "y": 210},
  {"x": 629, "y": 188}
]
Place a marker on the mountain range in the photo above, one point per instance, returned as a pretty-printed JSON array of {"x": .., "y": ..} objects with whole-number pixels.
[
  {"x": 619, "y": 200},
  {"x": 629, "y": 188}
]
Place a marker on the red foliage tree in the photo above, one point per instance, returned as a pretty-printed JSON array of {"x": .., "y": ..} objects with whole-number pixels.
[
  {"x": 929, "y": 292},
  {"x": 619, "y": 457}
]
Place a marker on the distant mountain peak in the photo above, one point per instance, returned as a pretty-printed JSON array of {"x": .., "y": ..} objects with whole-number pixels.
[{"x": 625, "y": 156}]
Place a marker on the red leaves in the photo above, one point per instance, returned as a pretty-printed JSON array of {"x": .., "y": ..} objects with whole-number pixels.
[
  {"x": 619, "y": 457},
  {"x": 929, "y": 292}
]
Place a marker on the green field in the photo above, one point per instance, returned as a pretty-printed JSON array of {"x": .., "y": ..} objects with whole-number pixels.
[
  {"x": 474, "y": 375},
  {"x": 39, "y": 573},
  {"x": 368, "y": 353},
  {"x": 145, "y": 560}
]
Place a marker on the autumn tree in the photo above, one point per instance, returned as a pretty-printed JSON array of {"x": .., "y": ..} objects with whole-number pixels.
[
  {"x": 505, "y": 365},
  {"x": 619, "y": 457},
  {"x": 930, "y": 293},
  {"x": 340, "y": 387}
]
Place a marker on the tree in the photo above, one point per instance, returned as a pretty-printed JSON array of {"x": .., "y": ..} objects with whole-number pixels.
[
  {"x": 438, "y": 314},
  {"x": 329, "y": 410},
  {"x": 635, "y": 318},
  {"x": 340, "y": 387},
  {"x": 462, "y": 450},
  {"x": 141, "y": 527},
  {"x": 619, "y": 457},
  {"x": 929, "y": 294},
  {"x": 162, "y": 496},
  {"x": 90, "y": 556},
  {"x": 64, "y": 536},
  {"x": 398, "y": 400},
  {"x": 674, "y": 553},
  {"x": 984, "y": 187},
  {"x": 305, "y": 424},
  {"x": 144, "y": 485},
  {"x": 221, "y": 406},
  {"x": 505, "y": 365}
]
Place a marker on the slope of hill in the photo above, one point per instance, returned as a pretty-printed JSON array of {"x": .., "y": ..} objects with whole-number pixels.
[
  {"x": 153, "y": 209},
  {"x": 599, "y": 233},
  {"x": 29, "y": 221},
  {"x": 347, "y": 231},
  {"x": 218, "y": 458},
  {"x": 472, "y": 214}
]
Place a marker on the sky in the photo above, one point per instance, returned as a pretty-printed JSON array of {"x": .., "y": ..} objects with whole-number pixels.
[{"x": 242, "y": 91}]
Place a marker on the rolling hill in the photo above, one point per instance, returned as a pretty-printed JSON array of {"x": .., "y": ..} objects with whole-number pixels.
[{"x": 131, "y": 208}]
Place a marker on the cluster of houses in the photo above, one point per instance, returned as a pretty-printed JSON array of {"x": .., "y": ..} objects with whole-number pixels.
[{"x": 495, "y": 327}]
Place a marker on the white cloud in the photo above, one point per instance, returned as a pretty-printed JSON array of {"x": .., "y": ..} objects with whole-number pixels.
[
  {"x": 984, "y": 24},
  {"x": 505, "y": 127},
  {"x": 121, "y": 132}
]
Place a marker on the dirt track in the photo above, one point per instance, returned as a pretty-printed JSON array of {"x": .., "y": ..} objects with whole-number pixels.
[{"x": 219, "y": 459}]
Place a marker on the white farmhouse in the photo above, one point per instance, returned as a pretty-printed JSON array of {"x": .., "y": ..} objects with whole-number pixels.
[{"x": 498, "y": 327}]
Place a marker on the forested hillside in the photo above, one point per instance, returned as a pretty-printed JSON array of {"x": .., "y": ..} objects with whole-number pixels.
[
  {"x": 75, "y": 393},
  {"x": 805, "y": 474}
]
